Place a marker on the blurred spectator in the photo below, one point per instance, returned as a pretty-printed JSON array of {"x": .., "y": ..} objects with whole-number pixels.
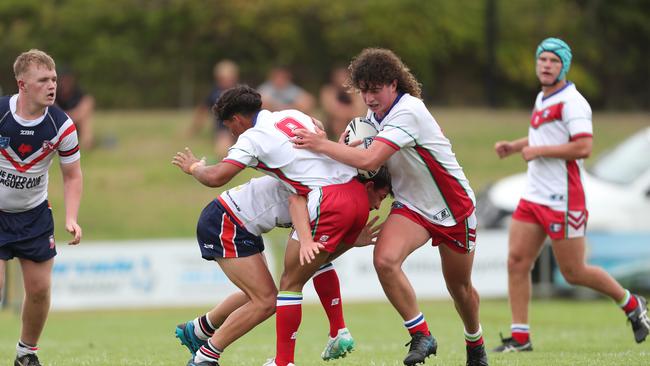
[
  {"x": 279, "y": 93},
  {"x": 226, "y": 76},
  {"x": 340, "y": 104},
  {"x": 79, "y": 105}
]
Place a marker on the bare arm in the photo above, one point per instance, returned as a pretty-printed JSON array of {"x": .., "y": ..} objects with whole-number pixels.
[
  {"x": 300, "y": 220},
  {"x": 507, "y": 148},
  {"x": 368, "y": 159},
  {"x": 72, "y": 189},
  {"x": 573, "y": 150},
  {"x": 211, "y": 176}
]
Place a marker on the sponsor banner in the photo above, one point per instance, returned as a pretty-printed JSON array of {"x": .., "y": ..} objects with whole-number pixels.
[
  {"x": 171, "y": 273},
  {"x": 143, "y": 273},
  {"x": 359, "y": 281}
]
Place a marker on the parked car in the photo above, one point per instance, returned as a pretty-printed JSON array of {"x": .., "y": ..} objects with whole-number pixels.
[{"x": 617, "y": 187}]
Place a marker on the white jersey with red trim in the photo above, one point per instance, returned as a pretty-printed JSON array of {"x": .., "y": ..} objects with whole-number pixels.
[
  {"x": 267, "y": 146},
  {"x": 26, "y": 151},
  {"x": 426, "y": 176},
  {"x": 558, "y": 119},
  {"x": 259, "y": 205}
]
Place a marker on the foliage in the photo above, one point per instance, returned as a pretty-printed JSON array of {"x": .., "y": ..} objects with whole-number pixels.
[{"x": 159, "y": 53}]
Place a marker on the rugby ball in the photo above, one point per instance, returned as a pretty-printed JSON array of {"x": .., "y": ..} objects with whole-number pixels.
[{"x": 362, "y": 129}]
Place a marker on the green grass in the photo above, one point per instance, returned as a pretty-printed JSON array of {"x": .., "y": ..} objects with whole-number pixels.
[
  {"x": 131, "y": 190},
  {"x": 564, "y": 333}
]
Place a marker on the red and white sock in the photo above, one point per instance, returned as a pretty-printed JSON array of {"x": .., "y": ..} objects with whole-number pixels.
[
  {"x": 208, "y": 353},
  {"x": 417, "y": 324},
  {"x": 328, "y": 288},
  {"x": 628, "y": 303},
  {"x": 474, "y": 339},
  {"x": 288, "y": 316},
  {"x": 23, "y": 349},
  {"x": 520, "y": 332},
  {"x": 203, "y": 329}
]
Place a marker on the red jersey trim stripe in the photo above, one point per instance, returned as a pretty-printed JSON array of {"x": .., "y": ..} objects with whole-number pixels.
[
  {"x": 69, "y": 152},
  {"x": 300, "y": 188},
  {"x": 549, "y": 114},
  {"x": 23, "y": 168},
  {"x": 576, "y": 199},
  {"x": 387, "y": 142},
  {"x": 580, "y": 135},
  {"x": 453, "y": 193},
  {"x": 234, "y": 162}
]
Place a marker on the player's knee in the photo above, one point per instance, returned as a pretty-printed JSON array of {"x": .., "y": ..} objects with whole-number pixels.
[
  {"x": 517, "y": 264},
  {"x": 384, "y": 264},
  {"x": 572, "y": 275},
  {"x": 37, "y": 293},
  {"x": 267, "y": 306}
]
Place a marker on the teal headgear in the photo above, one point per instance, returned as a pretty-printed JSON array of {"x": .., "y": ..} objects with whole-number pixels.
[{"x": 561, "y": 49}]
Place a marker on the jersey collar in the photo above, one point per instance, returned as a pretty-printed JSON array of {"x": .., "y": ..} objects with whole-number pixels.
[
  {"x": 399, "y": 96},
  {"x": 557, "y": 91}
]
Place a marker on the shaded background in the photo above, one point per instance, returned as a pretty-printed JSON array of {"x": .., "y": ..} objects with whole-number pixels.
[{"x": 159, "y": 53}]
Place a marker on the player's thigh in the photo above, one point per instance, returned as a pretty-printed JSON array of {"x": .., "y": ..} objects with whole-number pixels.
[
  {"x": 569, "y": 253},
  {"x": 295, "y": 275},
  {"x": 398, "y": 238},
  {"x": 250, "y": 274},
  {"x": 525, "y": 241},
  {"x": 37, "y": 276}
]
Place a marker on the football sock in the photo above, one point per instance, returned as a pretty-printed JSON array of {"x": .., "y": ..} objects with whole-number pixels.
[
  {"x": 417, "y": 324},
  {"x": 208, "y": 353},
  {"x": 203, "y": 329},
  {"x": 23, "y": 349},
  {"x": 327, "y": 286},
  {"x": 287, "y": 320},
  {"x": 520, "y": 332},
  {"x": 628, "y": 303},
  {"x": 474, "y": 339}
]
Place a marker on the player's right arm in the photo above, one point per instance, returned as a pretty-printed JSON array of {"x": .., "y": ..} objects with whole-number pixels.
[
  {"x": 507, "y": 148},
  {"x": 212, "y": 175},
  {"x": 300, "y": 220}
]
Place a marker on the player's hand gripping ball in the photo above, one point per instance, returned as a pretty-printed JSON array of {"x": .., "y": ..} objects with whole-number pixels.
[{"x": 362, "y": 129}]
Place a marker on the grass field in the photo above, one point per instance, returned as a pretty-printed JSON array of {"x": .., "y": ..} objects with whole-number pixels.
[
  {"x": 131, "y": 190},
  {"x": 564, "y": 333}
]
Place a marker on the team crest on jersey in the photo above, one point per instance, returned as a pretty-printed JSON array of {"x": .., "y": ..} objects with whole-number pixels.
[
  {"x": 555, "y": 227},
  {"x": 48, "y": 146},
  {"x": 4, "y": 142},
  {"x": 324, "y": 238},
  {"x": 25, "y": 149}
]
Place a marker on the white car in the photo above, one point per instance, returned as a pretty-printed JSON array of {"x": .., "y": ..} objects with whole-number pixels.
[{"x": 617, "y": 188}]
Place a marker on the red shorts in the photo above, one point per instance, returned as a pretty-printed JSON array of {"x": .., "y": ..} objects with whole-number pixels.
[
  {"x": 557, "y": 224},
  {"x": 460, "y": 237},
  {"x": 342, "y": 212}
]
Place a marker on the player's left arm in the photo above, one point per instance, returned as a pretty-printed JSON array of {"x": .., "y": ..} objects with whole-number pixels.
[
  {"x": 212, "y": 175},
  {"x": 579, "y": 148},
  {"x": 72, "y": 190}
]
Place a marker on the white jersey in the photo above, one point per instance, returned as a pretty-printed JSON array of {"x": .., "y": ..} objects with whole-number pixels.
[
  {"x": 267, "y": 147},
  {"x": 558, "y": 119},
  {"x": 259, "y": 205},
  {"x": 425, "y": 174},
  {"x": 26, "y": 151}
]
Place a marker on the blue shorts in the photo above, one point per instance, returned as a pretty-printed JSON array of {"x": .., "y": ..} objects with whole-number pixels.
[
  {"x": 28, "y": 234},
  {"x": 220, "y": 236}
]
